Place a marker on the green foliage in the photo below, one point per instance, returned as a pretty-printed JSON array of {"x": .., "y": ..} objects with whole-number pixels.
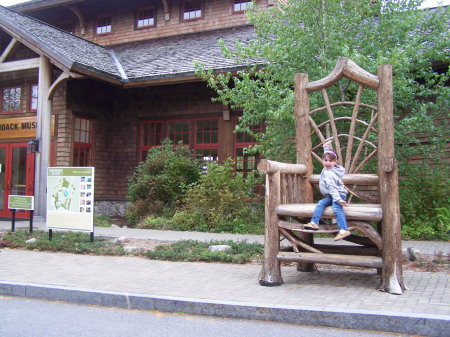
[
  {"x": 424, "y": 203},
  {"x": 192, "y": 251},
  {"x": 69, "y": 242},
  {"x": 221, "y": 201},
  {"x": 308, "y": 37},
  {"x": 159, "y": 183},
  {"x": 101, "y": 220}
]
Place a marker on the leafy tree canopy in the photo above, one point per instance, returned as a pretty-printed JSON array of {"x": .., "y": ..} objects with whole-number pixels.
[{"x": 308, "y": 36}]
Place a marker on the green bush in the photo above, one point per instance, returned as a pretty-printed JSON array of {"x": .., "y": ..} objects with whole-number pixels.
[
  {"x": 221, "y": 201},
  {"x": 424, "y": 203},
  {"x": 159, "y": 183}
]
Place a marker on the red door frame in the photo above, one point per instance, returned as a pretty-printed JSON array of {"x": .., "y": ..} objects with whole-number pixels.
[{"x": 29, "y": 178}]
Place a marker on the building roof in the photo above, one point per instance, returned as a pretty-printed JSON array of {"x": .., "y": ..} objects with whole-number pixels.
[{"x": 160, "y": 58}]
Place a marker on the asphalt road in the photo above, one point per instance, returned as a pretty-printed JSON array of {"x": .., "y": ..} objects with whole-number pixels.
[{"x": 32, "y": 317}]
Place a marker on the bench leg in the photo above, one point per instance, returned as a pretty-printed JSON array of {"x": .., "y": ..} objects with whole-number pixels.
[{"x": 308, "y": 238}]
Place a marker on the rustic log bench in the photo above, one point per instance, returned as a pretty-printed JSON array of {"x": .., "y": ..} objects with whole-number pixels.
[{"x": 364, "y": 138}]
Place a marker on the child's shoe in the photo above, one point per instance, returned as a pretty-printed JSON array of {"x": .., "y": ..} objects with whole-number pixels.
[
  {"x": 342, "y": 235},
  {"x": 311, "y": 226}
]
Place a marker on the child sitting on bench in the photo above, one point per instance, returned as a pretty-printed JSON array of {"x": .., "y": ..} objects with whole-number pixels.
[{"x": 332, "y": 187}]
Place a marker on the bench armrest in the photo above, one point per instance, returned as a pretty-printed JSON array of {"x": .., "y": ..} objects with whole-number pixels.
[{"x": 269, "y": 166}]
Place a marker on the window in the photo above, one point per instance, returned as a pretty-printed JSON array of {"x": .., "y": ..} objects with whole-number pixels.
[
  {"x": 206, "y": 146},
  {"x": 34, "y": 97},
  {"x": 83, "y": 140},
  {"x": 246, "y": 162},
  {"x": 145, "y": 18},
  {"x": 192, "y": 9},
  {"x": 103, "y": 25},
  {"x": 178, "y": 131},
  {"x": 11, "y": 100},
  {"x": 241, "y": 5},
  {"x": 151, "y": 134}
]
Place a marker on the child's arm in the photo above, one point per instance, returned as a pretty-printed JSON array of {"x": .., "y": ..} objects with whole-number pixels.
[{"x": 343, "y": 203}]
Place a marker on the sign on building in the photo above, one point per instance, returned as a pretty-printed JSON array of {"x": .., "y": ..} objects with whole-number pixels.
[{"x": 70, "y": 198}]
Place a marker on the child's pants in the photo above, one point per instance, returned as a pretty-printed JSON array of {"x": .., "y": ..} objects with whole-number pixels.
[{"x": 337, "y": 208}]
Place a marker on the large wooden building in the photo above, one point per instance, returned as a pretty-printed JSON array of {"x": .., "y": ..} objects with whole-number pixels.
[{"x": 99, "y": 82}]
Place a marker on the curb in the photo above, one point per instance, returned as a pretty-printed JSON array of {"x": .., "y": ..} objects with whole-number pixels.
[{"x": 428, "y": 325}]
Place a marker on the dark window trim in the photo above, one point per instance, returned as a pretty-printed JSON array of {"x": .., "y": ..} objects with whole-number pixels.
[
  {"x": 99, "y": 17},
  {"x": 183, "y": 11},
  {"x": 139, "y": 10}
]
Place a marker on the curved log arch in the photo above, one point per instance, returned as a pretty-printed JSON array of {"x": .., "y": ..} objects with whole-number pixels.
[{"x": 349, "y": 69}]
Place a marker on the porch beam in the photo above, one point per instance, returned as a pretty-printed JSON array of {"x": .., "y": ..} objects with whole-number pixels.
[
  {"x": 9, "y": 49},
  {"x": 19, "y": 65}
]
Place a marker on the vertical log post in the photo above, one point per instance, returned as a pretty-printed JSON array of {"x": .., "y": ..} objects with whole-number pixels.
[
  {"x": 392, "y": 272},
  {"x": 304, "y": 147},
  {"x": 43, "y": 134},
  {"x": 271, "y": 273}
]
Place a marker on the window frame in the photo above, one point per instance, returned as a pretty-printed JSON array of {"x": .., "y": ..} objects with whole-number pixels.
[
  {"x": 32, "y": 97},
  {"x": 243, "y": 145},
  {"x": 207, "y": 146},
  {"x": 6, "y": 112},
  {"x": 142, "y": 147},
  {"x": 77, "y": 145},
  {"x": 140, "y": 10},
  {"x": 173, "y": 139},
  {"x": 101, "y": 17},
  {"x": 183, "y": 10},
  {"x": 240, "y": 2}
]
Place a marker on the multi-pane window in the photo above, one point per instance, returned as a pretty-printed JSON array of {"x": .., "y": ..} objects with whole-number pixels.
[
  {"x": 33, "y": 97},
  {"x": 11, "y": 100},
  {"x": 192, "y": 9},
  {"x": 103, "y": 25},
  {"x": 145, "y": 17},
  {"x": 178, "y": 131},
  {"x": 241, "y": 5},
  {"x": 151, "y": 134},
  {"x": 245, "y": 162},
  {"x": 83, "y": 141},
  {"x": 206, "y": 146}
]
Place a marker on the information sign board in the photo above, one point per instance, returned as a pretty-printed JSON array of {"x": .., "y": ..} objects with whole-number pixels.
[
  {"x": 23, "y": 202},
  {"x": 70, "y": 198}
]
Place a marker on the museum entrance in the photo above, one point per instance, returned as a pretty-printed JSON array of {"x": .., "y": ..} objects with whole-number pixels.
[{"x": 16, "y": 175}]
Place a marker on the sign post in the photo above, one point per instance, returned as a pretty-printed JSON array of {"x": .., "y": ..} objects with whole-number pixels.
[
  {"x": 70, "y": 199},
  {"x": 22, "y": 202}
]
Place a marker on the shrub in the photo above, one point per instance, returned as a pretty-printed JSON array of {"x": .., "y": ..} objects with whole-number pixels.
[
  {"x": 424, "y": 200},
  {"x": 159, "y": 183},
  {"x": 221, "y": 201}
]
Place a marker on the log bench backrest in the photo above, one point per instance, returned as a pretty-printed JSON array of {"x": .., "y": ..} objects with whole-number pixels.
[{"x": 350, "y": 123}]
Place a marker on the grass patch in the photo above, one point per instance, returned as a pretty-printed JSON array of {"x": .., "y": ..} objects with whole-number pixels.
[
  {"x": 68, "y": 242},
  {"x": 181, "y": 251},
  {"x": 102, "y": 220},
  {"x": 196, "y": 251}
]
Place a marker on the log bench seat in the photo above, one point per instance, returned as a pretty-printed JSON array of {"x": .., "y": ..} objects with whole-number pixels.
[
  {"x": 338, "y": 259},
  {"x": 367, "y": 212}
]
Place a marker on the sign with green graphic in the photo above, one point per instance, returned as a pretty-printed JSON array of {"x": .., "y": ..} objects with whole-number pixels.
[
  {"x": 24, "y": 202},
  {"x": 70, "y": 198}
]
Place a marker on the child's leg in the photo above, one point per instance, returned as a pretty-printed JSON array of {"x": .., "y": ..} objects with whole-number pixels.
[
  {"x": 341, "y": 220},
  {"x": 320, "y": 208}
]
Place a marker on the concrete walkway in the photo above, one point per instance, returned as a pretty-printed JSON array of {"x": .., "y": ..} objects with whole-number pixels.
[{"x": 338, "y": 297}]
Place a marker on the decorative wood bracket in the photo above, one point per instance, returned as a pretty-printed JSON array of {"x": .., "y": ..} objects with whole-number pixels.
[
  {"x": 389, "y": 164},
  {"x": 166, "y": 10},
  {"x": 80, "y": 18}
]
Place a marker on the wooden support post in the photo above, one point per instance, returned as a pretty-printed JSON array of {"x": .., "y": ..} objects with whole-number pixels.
[
  {"x": 392, "y": 272},
  {"x": 271, "y": 273},
  {"x": 43, "y": 133},
  {"x": 303, "y": 143}
]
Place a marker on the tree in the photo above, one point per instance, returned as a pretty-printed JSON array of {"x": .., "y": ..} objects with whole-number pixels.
[{"x": 308, "y": 36}]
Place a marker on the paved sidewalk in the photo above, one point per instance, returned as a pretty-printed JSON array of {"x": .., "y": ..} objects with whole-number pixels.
[{"x": 337, "y": 297}]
